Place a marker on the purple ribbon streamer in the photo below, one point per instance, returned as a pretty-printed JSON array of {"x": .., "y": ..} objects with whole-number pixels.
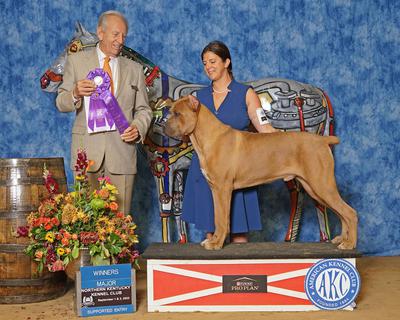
[
  {"x": 103, "y": 105},
  {"x": 115, "y": 111},
  {"x": 97, "y": 114}
]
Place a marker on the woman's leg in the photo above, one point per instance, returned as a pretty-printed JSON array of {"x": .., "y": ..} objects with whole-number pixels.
[{"x": 239, "y": 238}]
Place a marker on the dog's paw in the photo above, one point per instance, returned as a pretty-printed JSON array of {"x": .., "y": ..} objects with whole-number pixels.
[
  {"x": 211, "y": 245},
  {"x": 347, "y": 245},
  {"x": 337, "y": 239},
  {"x": 203, "y": 243},
  {"x": 344, "y": 243}
]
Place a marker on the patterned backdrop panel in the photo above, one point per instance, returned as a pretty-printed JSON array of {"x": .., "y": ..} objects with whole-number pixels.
[{"x": 350, "y": 49}]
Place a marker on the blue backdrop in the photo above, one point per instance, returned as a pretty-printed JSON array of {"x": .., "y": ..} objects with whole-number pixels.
[{"x": 349, "y": 48}]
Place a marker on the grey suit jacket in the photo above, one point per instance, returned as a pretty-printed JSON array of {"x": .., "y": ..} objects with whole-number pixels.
[{"x": 119, "y": 156}]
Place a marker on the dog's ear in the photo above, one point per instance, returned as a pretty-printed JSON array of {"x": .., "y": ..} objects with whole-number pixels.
[{"x": 194, "y": 103}]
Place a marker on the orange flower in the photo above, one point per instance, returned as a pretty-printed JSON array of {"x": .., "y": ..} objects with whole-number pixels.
[
  {"x": 65, "y": 241},
  {"x": 91, "y": 163},
  {"x": 113, "y": 206},
  {"x": 55, "y": 221},
  {"x": 103, "y": 193},
  {"x": 48, "y": 226},
  {"x": 44, "y": 220},
  {"x": 39, "y": 254},
  {"x": 36, "y": 222},
  {"x": 120, "y": 215}
]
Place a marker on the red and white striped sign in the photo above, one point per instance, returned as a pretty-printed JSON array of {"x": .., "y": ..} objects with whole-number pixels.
[{"x": 197, "y": 285}]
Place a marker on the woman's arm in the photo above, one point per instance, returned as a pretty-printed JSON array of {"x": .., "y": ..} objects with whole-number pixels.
[{"x": 253, "y": 103}]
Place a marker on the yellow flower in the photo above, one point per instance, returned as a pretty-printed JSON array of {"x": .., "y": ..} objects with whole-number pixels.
[
  {"x": 80, "y": 215},
  {"x": 49, "y": 237},
  {"x": 68, "y": 214},
  {"x": 103, "y": 221},
  {"x": 69, "y": 198},
  {"x": 30, "y": 218},
  {"x": 60, "y": 251},
  {"x": 72, "y": 194},
  {"x": 110, "y": 228},
  {"x": 80, "y": 177},
  {"x": 134, "y": 239},
  {"x": 58, "y": 198},
  {"x": 112, "y": 188},
  {"x": 101, "y": 233}
]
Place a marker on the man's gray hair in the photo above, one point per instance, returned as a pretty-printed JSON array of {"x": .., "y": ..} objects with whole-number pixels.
[{"x": 103, "y": 19}]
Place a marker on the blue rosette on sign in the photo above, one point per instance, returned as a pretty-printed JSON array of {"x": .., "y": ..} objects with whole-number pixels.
[{"x": 332, "y": 284}]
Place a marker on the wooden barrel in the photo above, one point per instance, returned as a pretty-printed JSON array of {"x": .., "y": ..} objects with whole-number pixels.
[{"x": 21, "y": 190}]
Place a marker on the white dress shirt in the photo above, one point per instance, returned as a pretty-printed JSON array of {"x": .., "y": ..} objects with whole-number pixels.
[
  {"x": 113, "y": 66},
  {"x": 114, "y": 70}
]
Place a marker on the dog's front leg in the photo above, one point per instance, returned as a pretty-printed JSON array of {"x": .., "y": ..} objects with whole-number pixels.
[{"x": 222, "y": 205}]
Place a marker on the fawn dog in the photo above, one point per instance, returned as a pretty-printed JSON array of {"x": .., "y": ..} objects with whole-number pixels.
[{"x": 258, "y": 158}]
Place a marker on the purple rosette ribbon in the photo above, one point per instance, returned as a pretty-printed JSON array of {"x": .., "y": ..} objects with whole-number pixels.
[{"x": 103, "y": 106}]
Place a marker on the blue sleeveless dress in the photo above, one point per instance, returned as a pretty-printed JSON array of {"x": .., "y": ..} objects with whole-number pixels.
[{"x": 198, "y": 205}]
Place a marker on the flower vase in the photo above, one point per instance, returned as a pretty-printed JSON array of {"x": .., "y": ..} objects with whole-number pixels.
[
  {"x": 76, "y": 264},
  {"x": 84, "y": 259}
]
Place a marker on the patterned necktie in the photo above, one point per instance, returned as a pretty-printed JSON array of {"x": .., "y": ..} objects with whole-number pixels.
[{"x": 107, "y": 68}]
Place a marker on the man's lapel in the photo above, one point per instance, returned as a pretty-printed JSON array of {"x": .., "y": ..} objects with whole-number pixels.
[
  {"x": 92, "y": 60},
  {"x": 122, "y": 74}
]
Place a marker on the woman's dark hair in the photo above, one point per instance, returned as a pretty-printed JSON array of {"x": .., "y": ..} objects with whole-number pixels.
[{"x": 221, "y": 50}]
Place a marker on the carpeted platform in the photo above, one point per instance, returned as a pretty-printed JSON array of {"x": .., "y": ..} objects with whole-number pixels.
[{"x": 254, "y": 250}]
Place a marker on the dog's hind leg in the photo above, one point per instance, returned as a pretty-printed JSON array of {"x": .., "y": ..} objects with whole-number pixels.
[
  {"x": 222, "y": 208},
  {"x": 327, "y": 194}
]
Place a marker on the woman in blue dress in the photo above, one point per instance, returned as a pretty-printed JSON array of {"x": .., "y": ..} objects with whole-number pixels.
[{"x": 234, "y": 104}]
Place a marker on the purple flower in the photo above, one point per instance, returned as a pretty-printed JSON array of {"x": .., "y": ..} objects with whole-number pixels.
[{"x": 22, "y": 231}]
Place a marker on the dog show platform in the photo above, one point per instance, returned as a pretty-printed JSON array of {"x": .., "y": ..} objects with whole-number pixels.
[{"x": 261, "y": 276}]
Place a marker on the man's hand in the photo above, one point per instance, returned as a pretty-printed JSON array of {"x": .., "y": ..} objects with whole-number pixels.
[
  {"x": 130, "y": 134},
  {"x": 83, "y": 88}
]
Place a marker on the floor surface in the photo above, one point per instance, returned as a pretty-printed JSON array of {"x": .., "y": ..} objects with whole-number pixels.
[{"x": 379, "y": 299}]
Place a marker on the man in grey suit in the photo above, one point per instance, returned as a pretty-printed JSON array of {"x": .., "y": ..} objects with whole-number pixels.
[{"x": 114, "y": 154}]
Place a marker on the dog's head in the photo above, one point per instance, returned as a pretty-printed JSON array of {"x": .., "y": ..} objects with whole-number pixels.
[{"x": 183, "y": 117}]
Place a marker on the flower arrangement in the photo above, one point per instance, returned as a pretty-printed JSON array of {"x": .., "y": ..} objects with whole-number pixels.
[{"x": 65, "y": 223}]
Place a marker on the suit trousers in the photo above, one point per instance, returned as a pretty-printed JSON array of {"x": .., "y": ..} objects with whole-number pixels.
[{"x": 123, "y": 182}]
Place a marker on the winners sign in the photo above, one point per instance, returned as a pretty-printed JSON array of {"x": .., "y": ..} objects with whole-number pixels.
[{"x": 105, "y": 290}]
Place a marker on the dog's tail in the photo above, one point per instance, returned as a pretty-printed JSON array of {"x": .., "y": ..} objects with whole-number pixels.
[{"x": 331, "y": 140}]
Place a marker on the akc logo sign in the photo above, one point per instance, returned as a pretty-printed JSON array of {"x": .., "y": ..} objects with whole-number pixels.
[{"x": 332, "y": 284}]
